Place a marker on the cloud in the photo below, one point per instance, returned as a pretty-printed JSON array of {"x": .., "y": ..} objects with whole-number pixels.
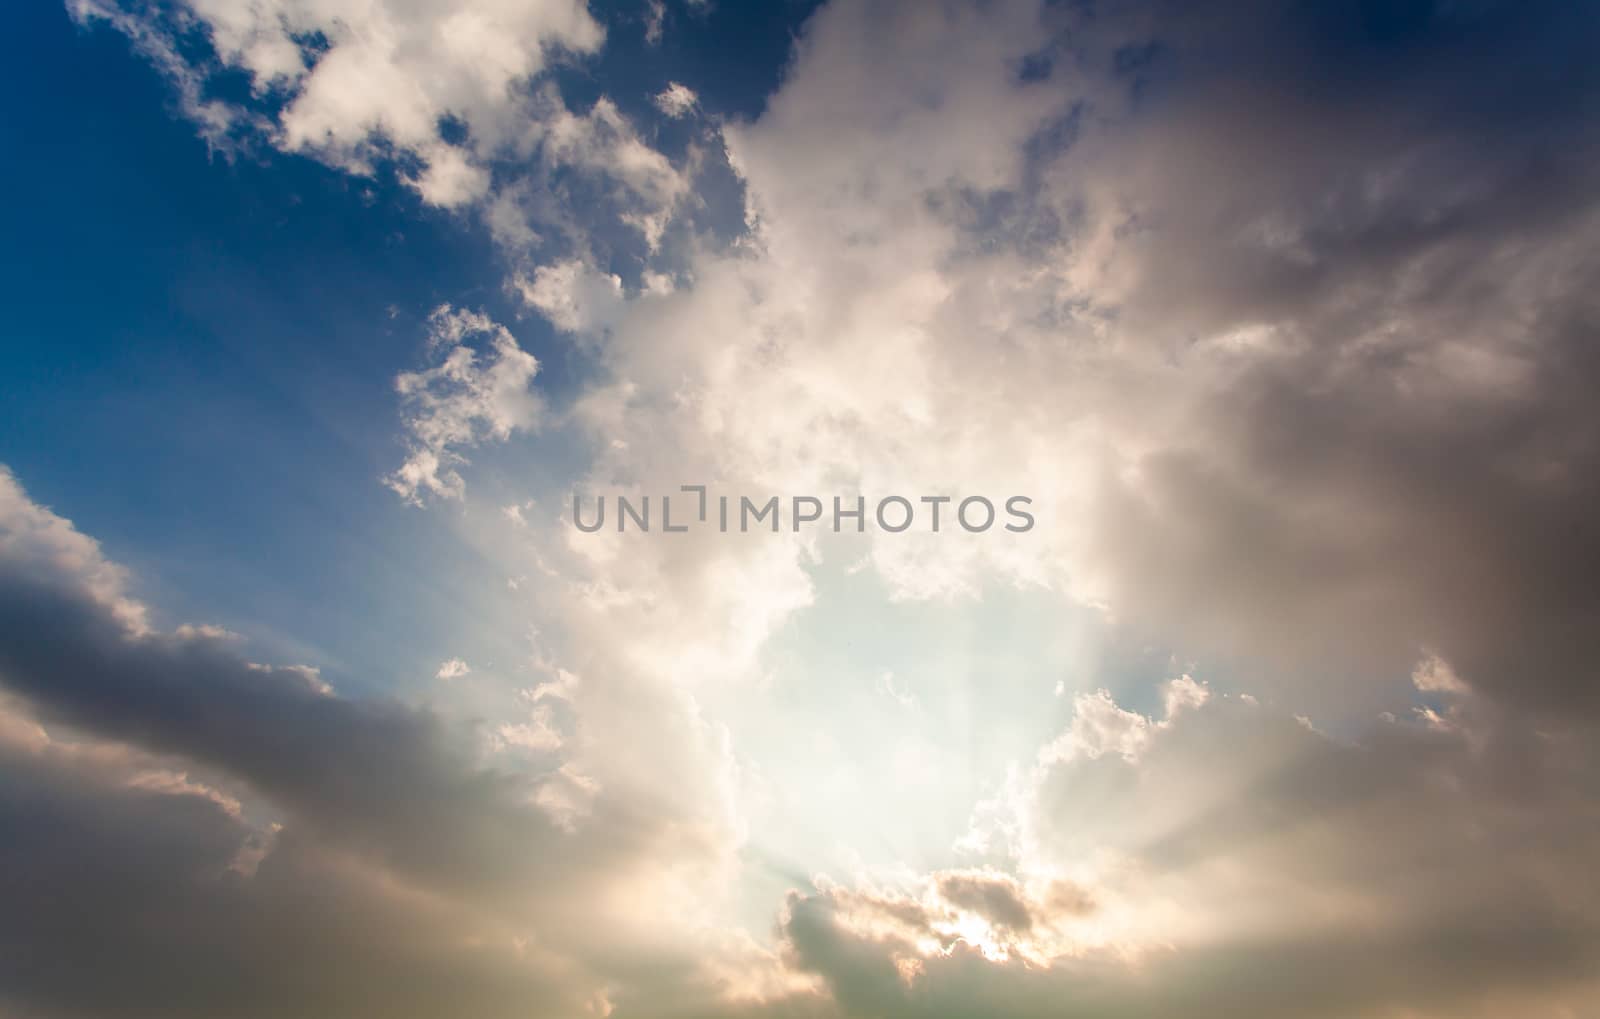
[
  {"x": 470, "y": 395},
  {"x": 210, "y": 836},
  {"x": 655, "y": 21},
  {"x": 1244, "y": 865},
  {"x": 1280, "y": 316},
  {"x": 676, "y": 100},
  {"x": 454, "y": 668},
  {"x": 456, "y": 99},
  {"x": 995, "y": 898},
  {"x": 574, "y": 297},
  {"x": 537, "y": 734},
  {"x": 125, "y": 880},
  {"x": 352, "y": 82},
  {"x": 157, "y": 39},
  {"x": 630, "y": 180},
  {"x": 1360, "y": 352},
  {"x": 1287, "y": 355}
]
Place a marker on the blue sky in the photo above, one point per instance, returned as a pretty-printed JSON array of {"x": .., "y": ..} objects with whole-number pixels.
[
  {"x": 314, "y": 702},
  {"x": 251, "y": 311},
  {"x": 248, "y": 312}
]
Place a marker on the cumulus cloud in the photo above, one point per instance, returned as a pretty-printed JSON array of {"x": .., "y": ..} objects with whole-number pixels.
[
  {"x": 574, "y": 297},
  {"x": 454, "y": 98},
  {"x": 1279, "y": 394},
  {"x": 352, "y": 80},
  {"x": 476, "y": 391},
  {"x": 1308, "y": 410}
]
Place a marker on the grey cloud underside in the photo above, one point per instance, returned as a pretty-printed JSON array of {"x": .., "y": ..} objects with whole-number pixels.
[
  {"x": 359, "y": 771},
  {"x": 1407, "y": 203},
  {"x": 1320, "y": 272},
  {"x": 1311, "y": 977},
  {"x": 397, "y": 875},
  {"x": 135, "y": 886},
  {"x": 121, "y": 902}
]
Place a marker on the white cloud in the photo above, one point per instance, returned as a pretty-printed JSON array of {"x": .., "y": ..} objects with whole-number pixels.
[
  {"x": 655, "y": 21},
  {"x": 379, "y": 73},
  {"x": 156, "y": 40},
  {"x": 645, "y": 187},
  {"x": 472, "y": 394},
  {"x": 437, "y": 91},
  {"x": 453, "y": 668},
  {"x": 1434, "y": 675},
  {"x": 37, "y": 542},
  {"x": 1183, "y": 694},
  {"x": 535, "y": 735},
  {"x": 574, "y": 297},
  {"x": 1100, "y": 727},
  {"x": 676, "y": 100},
  {"x": 918, "y": 215},
  {"x": 449, "y": 179}
]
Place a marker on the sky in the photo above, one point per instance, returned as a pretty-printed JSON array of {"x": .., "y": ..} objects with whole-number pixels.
[{"x": 326, "y": 317}]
